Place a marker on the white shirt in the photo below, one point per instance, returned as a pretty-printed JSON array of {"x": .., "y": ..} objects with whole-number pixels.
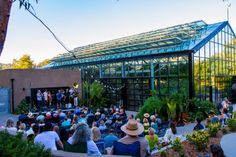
[
  {"x": 45, "y": 95},
  {"x": 92, "y": 148},
  {"x": 48, "y": 139},
  {"x": 169, "y": 136}
]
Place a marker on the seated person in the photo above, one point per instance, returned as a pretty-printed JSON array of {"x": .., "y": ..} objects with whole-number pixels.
[
  {"x": 10, "y": 128},
  {"x": 48, "y": 138},
  {"x": 110, "y": 138},
  {"x": 198, "y": 126},
  {"x": 170, "y": 134},
  {"x": 81, "y": 141},
  {"x": 152, "y": 139},
  {"x": 132, "y": 129},
  {"x": 96, "y": 137}
]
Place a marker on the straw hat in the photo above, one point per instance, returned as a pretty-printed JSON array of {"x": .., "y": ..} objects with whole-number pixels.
[
  {"x": 146, "y": 115},
  {"x": 132, "y": 128}
]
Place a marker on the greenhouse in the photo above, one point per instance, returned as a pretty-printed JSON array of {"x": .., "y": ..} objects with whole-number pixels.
[{"x": 196, "y": 59}]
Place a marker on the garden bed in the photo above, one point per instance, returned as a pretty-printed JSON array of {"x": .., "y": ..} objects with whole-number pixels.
[{"x": 189, "y": 149}]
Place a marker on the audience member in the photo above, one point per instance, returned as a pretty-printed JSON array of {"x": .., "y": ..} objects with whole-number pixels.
[
  {"x": 152, "y": 139},
  {"x": 48, "y": 138},
  {"x": 110, "y": 138},
  {"x": 216, "y": 151},
  {"x": 132, "y": 129},
  {"x": 198, "y": 126},
  {"x": 82, "y": 139},
  {"x": 170, "y": 134},
  {"x": 97, "y": 138},
  {"x": 10, "y": 128}
]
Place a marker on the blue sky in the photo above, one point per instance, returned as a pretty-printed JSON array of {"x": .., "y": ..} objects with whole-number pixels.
[{"x": 82, "y": 22}]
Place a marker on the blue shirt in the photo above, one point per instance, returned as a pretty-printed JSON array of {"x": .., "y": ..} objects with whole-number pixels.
[{"x": 109, "y": 139}]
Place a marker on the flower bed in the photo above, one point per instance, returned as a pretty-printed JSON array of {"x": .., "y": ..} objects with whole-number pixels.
[{"x": 189, "y": 149}]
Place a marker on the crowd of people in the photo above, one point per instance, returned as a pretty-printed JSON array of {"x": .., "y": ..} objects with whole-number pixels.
[
  {"x": 67, "y": 98},
  {"x": 104, "y": 131}
]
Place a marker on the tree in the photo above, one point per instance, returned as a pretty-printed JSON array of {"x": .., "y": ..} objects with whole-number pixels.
[
  {"x": 24, "y": 62},
  {"x": 43, "y": 63}
]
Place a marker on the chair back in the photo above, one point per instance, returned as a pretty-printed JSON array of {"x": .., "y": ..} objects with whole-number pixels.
[
  {"x": 101, "y": 146},
  {"x": 127, "y": 149}
]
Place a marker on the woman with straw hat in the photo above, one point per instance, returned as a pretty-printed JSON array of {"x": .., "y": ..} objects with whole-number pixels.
[{"x": 132, "y": 129}]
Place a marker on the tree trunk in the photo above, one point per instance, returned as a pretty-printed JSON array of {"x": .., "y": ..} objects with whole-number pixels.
[{"x": 5, "y": 9}]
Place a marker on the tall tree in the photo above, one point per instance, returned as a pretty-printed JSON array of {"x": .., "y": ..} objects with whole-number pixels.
[{"x": 24, "y": 62}]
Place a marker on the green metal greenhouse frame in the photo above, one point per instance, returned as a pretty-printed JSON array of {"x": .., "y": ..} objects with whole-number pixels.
[{"x": 195, "y": 58}]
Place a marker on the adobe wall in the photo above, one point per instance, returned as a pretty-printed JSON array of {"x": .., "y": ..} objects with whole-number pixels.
[{"x": 24, "y": 80}]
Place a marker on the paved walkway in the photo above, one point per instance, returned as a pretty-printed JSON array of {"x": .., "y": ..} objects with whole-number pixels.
[{"x": 228, "y": 143}]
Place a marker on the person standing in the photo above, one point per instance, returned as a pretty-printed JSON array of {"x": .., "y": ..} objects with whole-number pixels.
[
  {"x": 39, "y": 96},
  {"x": 45, "y": 97},
  {"x": 59, "y": 98}
]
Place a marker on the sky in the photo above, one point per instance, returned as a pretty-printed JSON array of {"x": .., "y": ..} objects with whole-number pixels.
[{"x": 82, "y": 22}]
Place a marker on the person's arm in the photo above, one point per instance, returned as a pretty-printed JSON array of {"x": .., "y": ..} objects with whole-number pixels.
[
  {"x": 58, "y": 141},
  {"x": 60, "y": 144}
]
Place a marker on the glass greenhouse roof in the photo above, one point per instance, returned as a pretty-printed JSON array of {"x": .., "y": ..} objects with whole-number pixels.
[{"x": 189, "y": 36}]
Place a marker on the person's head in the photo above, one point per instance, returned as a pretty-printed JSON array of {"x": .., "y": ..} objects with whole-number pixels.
[
  {"x": 18, "y": 123},
  {"x": 9, "y": 123},
  {"x": 145, "y": 120},
  {"x": 56, "y": 129},
  {"x": 22, "y": 126},
  {"x": 96, "y": 134},
  {"x": 94, "y": 124},
  {"x": 153, "y": 118},
  {"x": 35, "y": 128},
  {"x": 48, "y": 127},
  {"x": 198, "y": 120},
  {"x": 102, "y": 123},
  {"x": 216, "y": 151},
  {"x": 173, "y": 127},
  {"x": 82, "y": 133},
  {"x": 138, "y": 120},
  {"x": 225, "y": 111},
  {"x": 111, "y": 131},
  {"x": 132, "y": 128},
  {"x": 151, "y": 131}
]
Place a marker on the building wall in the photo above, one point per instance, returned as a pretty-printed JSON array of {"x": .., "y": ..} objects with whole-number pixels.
[{"x": 24, "y": 80}]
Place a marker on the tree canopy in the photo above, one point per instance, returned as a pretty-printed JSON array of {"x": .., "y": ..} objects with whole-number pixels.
[{"x": 24, "y": 62}]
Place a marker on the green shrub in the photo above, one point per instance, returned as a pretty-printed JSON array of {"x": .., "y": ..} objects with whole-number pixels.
[
  {"x": 234, "y": 115},
  {"x": 95, "y": 96},
  {"x": 23, "y": 107},
  {"x": 151, "y": 105},
  {"x": 163, "y": 153},
  {"x": 177, "y": 146},
  {"x": 231, "y": 124},
  {"x": 14, "y": 146},
  {"x": 213, "y": 129},
  {"x": 201, "y": 108},
  {"x": 200, "y": 139}
]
